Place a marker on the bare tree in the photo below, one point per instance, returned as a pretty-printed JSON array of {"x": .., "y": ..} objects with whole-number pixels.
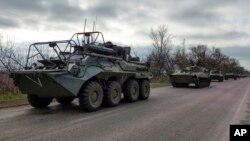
[
  {"x": 10, "y": 60},
  {"x": 160, "y": 57},
  {"x": 181, "y": 58}
]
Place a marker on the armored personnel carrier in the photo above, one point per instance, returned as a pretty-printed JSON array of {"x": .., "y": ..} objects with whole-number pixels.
[
  {"x": 84, "y": 67},
  {"x": 231, "y": 75},
  {"x": 216, "y": 75},
  {"x": 191, "y": 75}
]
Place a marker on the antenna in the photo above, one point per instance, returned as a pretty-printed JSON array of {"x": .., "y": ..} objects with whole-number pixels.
[
  {"x": 85, "y": 25},
  {"x": 93, "y": 26},
  {"x": 85, "y": 22},
  {"x": 95, "y": 22},
  {"x": 93, "y": 35}
]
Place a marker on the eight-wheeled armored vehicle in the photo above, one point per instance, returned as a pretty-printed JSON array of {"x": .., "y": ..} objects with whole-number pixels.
[
  {"x": 216, "y": 75},
  {"x": 231, "y": 75},
  {"x": 84, "y": 67},
  {"x": 191, "y": 75}
]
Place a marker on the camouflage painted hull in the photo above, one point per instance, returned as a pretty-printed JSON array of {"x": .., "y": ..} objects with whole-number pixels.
[
  {"x": 183, "y": 79},
  {"x": 47, "y": 83}
]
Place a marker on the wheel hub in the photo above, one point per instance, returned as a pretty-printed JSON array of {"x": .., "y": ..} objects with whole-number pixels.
[
  {"x": 134, "y": 91},
  {"x": 115, "y": 93},
  {"x": 94, "y": 97}
]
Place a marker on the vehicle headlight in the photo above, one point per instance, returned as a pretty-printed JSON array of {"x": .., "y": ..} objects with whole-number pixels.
[{"x": 74, "y": 69}]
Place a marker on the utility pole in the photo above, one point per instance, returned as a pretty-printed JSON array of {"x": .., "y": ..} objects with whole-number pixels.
[{"x": 184, "y": 46}]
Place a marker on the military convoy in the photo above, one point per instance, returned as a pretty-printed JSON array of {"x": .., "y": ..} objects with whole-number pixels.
[
  {"x": 216, "y": 75},
  {"x": 94, "y": 71},
  {"x": 191, "y": 75},
  {"x": 84, "y": 67}
]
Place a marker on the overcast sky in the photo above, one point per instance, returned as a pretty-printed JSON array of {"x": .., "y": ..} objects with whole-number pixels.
[{"x": 219, "y": 23}]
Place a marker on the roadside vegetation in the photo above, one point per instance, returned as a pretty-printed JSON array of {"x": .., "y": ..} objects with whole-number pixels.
[{"x": 4, "y": 98}]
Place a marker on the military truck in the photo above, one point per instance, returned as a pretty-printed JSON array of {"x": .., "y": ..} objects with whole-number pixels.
[
  {"x": 84, "y": 67},
  {"x": 216, "y": 75},
  {"x": 191, "y": 75},
  {"x": 231, "y": 75}
]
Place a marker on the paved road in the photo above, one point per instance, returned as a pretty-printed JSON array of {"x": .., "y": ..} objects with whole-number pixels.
[{"x": 183, "y": 114}]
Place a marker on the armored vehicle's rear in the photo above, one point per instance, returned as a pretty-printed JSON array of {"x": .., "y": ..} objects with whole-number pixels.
[
  {"x": 231, "y": 76},
  {"x": 191, "y": 75},
  {"x": 84, "y": 67},
  {"x": 216, "y": 75}
]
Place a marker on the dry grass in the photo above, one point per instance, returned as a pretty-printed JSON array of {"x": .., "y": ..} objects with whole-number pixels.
[{"x": 5, "y": 98}]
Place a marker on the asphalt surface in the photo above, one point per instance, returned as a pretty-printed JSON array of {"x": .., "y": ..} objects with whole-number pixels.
[{"x": 171, "y": 114}]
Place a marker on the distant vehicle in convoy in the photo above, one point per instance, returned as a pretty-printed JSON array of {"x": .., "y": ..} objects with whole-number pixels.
[
  {"x": 231, "y": 76},
  {"x": 84, "y": 67},
  {"x": 199, "y": 76},
  {"x": 216, "y": 75}
]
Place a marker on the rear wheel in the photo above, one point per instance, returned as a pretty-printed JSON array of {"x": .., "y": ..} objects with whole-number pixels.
[
  {"x": 144, "y": 89},
  {"x": 91, "y": 97},
  {"x": 112, "y": 96},
  {"x": 65, "y": 100},
  {"x": 38, "y": 102},
  {"x": 131, "y": 90}
]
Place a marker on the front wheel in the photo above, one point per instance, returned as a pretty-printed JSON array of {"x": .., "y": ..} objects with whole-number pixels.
[
  {"x": 91, "y": 97},
  {"x": 38, "y": 102}
]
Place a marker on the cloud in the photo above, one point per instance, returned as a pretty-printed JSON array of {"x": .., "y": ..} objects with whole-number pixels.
[
  {"x": 195, "y": 16},
  {"x": 8, "y": 23},
  {"x": 40, "y": 12},
  {"x": 237, "y": 51},
  {"x": 64, "y": 11},
  {"x": 227, "y": 35}
]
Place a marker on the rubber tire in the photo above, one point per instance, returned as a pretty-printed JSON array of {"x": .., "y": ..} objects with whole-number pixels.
[
  {"x": 85, "y": 96},
  {"x": 129, "y": 96},
  {"x": 109, "y": 99},
  {"x": 65, "y": 100},
  {"x": 144, "y": 90},
  {"x": 38, "y": 102}
]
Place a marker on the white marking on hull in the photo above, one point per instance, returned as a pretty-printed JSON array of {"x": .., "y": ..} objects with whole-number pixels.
[{"x": 38, "y": 82}]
